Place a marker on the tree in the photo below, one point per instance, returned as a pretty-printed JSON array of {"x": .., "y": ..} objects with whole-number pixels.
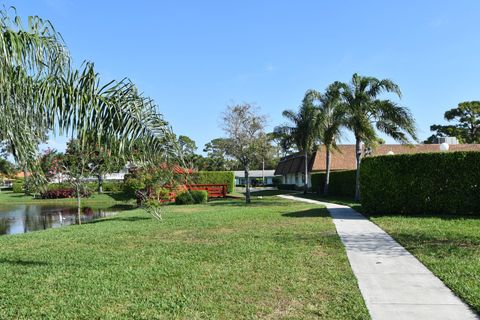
[
  {"x": 40, "y": 91},
  {"x": 51, "y": 163},
  {"x": 331, "y": 119},
  {"x": 217, "y": 158},
  {"x": 78, "y": 167},
  {"x": 466, "y": 127},
  {"x": 365, "y": 113},
  {"x": 103, "y": 161},
  {"x": 246, "y": 137},
  {"x": 304, "y": 129}
]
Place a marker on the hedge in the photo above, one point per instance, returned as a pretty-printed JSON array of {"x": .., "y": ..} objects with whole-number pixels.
[
  {"x": 17, "y": 186},
  {"x": 215, "y": 177},
  {"x": 342, "y": 183},
  {"x": 433, "y": 183}
]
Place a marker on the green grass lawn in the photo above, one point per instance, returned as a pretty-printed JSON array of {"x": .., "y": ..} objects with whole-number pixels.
[
  {"x": 448, "y": 245},
  {"x": 273, "y": 259},
  {"x": 8, "y": 197}
]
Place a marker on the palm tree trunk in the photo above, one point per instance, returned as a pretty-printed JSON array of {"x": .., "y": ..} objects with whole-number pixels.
[
  {"x": 305, "y": 186},
  {"x": 327, "y": 171},
  {"x": 358, "y": 156},
  {"x": 100, "y": 183},
  {"x": 247, "y": 186}
]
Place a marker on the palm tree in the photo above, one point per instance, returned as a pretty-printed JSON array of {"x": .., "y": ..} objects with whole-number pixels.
[
  {"x": 39, "y": 91},
  {"x": 304, "y": 131},
  {"x": 331, "y": 120},
  {"x": 365, "y": 113}
]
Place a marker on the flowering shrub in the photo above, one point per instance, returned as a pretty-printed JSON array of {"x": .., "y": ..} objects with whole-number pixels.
[{"x": 64, "y": 193}]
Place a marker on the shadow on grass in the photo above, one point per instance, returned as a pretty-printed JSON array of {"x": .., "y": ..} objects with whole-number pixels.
[
  {"x": 20, "y": 262},
  {"x": 310, "y": 213},
  {"x": 119, "y": 196},
  {"x": 123, "y": 207},
  {"x": 123, "y": 219},
  {"x": 241, "y": 203}
]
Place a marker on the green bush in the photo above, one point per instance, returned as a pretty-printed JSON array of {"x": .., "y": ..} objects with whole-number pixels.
[
  {"x": 199, "y": 196},
  {"x": 276, "y": 181},
  {"x": 342, "y": 183},
  {"x": 184, "y": 198},
  {"x": 17, "y": 186},
  {"x": 433, "y": 183},
  {"x": 215, "y": 177},
  {"x": 112, "y": 186},
  {"x": 131, "y": 185}
]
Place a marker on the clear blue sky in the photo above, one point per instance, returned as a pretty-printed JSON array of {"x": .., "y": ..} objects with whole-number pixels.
[{"x": 195, "y": 57}]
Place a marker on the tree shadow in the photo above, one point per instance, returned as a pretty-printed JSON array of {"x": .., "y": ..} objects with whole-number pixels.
[
  {"x": 309, "y": 213},
  {"x": 119, "y": 196},
  {"x": 123, "y": 219},
  {"x": 20, "y": 262},
  {"x": 123, "y": 207}
]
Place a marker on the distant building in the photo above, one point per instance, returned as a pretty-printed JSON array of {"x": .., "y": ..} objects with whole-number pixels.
[
  {"x": 255, "y": 176},
  {"x": 291, "y": 167}
]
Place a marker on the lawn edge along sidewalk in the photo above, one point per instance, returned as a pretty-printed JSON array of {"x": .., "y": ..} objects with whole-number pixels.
[{"x": 393, "y": 283}]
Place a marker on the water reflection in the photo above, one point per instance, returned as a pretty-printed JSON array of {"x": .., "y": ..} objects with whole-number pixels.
[{"x": 27, "y": 218}]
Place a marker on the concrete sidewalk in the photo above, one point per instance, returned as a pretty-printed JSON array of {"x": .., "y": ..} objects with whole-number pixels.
[{"x": 394, "y": 284}]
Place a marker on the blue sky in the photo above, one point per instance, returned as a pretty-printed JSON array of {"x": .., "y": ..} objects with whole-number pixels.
[{"x": 195, "y": 57}]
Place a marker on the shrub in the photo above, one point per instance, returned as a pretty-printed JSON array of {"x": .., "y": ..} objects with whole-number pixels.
[
  {"x": 421, "y": 183},
  {"x": 215, "y": 177},
  {"x": 184, "y": 198},
  {"x": 342, "y": 183},
  {"x": 199, "y": 196},
  {"x": 287, "y": 186},
  {"x": 17, "y": 186},
  {"x": 64, "y": 193},
  {"x": 276, "y": 181},
  {"x": 112, "y": 186},
  {"x": 132, "y": 185}
]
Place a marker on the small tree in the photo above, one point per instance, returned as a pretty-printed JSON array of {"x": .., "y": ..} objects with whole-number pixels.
[
  {"x": 77, "y": 167},
  {"x": 246, "y": 137}
]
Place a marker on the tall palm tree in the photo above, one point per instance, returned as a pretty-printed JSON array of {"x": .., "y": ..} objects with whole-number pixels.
[
  {"x": 304, "y": 130},
  {"x": 332, "y": 118},
  {"x": 365, "y": 113}
]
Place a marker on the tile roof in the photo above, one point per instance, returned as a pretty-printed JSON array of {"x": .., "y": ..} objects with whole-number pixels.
[{"x": 344, "y": 158}]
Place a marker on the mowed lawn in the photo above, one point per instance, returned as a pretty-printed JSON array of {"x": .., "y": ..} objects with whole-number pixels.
[
  {"x": 449, "y": 246},
  {"x": 271, "y": 260}
]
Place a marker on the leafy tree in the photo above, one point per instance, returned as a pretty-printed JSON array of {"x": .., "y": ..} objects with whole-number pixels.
[
  {"x": 304, "y": 129},
  {"x": 51, "y": 163},
  {"x": 365, "y": 113},
  {"x": 217, "y": 158},
  {"x": 332, "y": 118},
  {"x": 246, "y": 137},
  {"x": 466, "y": 127},
  {"x": 6, "y": 168},
  {"x": 40, "y": 91}
]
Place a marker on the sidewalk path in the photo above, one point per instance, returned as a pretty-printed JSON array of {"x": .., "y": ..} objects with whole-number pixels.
[{"x": 394, "y": 284}]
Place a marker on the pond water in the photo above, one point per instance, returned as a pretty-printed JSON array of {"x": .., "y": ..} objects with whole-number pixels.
[{"x": 32, "y": 217}]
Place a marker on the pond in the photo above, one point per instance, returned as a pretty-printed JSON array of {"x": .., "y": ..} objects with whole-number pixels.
[{"x": 32, "y": 217}]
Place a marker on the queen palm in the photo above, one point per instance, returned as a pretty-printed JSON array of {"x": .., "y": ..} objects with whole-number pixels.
[
  {"x": 366, "y": 114},
  {"x": 304, "y": 129},
  {"x": 39, "y": 91},
  {"x": 332, "y": 118}
]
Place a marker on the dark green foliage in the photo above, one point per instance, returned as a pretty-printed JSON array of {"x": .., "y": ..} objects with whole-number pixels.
[
  {"x": 276, "y": 181},
  {"x": 132, "y": 185},
  {"x": 342, "y": 183},
  {"x": 287, "y": 187},
  {"x": 112, "y": 186},
  {"x": 199, "y": 196},
  {"x": 17, "y": 186},
  {"x": 422, "y": 183},
  {"x": 215, "y": 177},
  {"x": 184, "y": 198}
]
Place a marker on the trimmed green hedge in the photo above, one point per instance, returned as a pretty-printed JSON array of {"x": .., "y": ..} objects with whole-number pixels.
[
  {"x": 17, "y": 186},
  {"x": 421, "y": 183},
  {"x": 215, "y": 177},
  {"x": 342, "y": 183}
]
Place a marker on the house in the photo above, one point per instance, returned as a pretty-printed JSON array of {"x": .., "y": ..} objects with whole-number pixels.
[
  {"x": 291, "y": 167},
  {"x": 255, "y": 177}
]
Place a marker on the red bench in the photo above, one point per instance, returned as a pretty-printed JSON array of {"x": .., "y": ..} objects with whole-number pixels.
[{"x": 213, "y": 190}]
